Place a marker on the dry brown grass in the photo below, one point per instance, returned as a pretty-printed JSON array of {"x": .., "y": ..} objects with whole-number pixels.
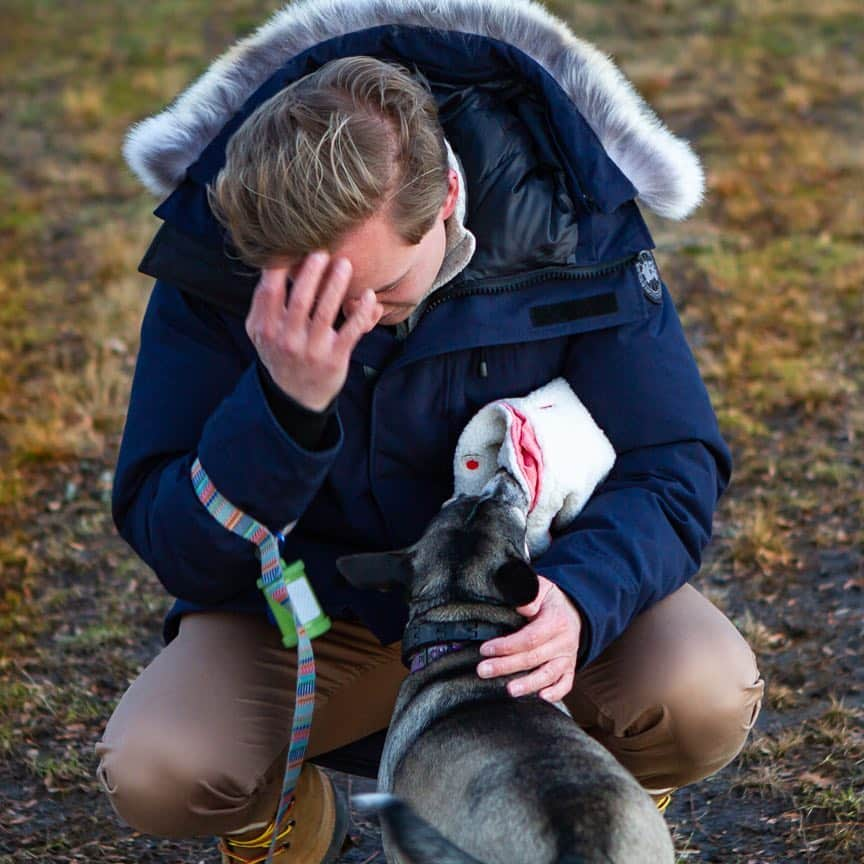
[
  {"x": 816, "y": 767},
  {"x": 766, "y": 276}
]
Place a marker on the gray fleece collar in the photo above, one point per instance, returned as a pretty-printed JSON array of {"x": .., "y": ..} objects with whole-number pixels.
[
  {"x": 459, "y": 248},
  {"x": 461, "y": 243}
]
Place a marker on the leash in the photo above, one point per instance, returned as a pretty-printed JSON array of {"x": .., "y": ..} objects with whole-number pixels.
[{"x": 297, "y": 614}]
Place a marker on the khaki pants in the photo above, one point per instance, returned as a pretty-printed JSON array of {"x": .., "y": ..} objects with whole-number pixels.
[{"x": 197, "y": 744}]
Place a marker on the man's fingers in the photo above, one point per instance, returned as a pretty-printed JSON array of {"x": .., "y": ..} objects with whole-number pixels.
[
  {"x": 330, "y": 298},
  {"x": 305, "y": 290},
  {"x": 523, "y": 660},
  {"x": 529, "y": 610},
  {"x": 526, "y": 638},
  {"x": 361, "y": 320},
  {"x": 559, "y": 689},
  {"x": 268, "y": 301},
  {"x": 548, "y": 675}
]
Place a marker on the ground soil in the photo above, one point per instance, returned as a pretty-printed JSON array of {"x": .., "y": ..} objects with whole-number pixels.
[{"x": 766, "y": 277}]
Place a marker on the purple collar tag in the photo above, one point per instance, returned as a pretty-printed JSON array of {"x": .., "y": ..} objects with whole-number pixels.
[{"x": 432, "y": 652}]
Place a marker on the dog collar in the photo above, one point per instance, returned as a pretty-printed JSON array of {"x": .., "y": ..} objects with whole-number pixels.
[
  {"x": 432, "y": 639},
  {"x": 432, "y": 652}
]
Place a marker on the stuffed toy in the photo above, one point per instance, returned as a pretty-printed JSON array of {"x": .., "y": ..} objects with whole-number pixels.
[{"x": 550, "y": 444}]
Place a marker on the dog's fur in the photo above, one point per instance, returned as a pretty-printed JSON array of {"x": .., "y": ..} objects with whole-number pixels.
[
  {"x": 662, "y": 167},
  {"x": 470, "y": 774}
]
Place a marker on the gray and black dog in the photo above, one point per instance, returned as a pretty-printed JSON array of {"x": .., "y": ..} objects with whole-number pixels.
[{"x": 470, "y": 774}]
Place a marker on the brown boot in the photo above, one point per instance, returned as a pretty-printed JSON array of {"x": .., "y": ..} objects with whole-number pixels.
[{"x": 312, "y": 830}]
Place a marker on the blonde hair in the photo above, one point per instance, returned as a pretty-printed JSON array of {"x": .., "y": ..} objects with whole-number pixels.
[{"x": 356, "y": 137}]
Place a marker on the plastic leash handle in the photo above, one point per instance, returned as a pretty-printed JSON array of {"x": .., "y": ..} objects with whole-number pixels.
[
  {"x": 279, "y": 592},
  {"x": 303, "y": 599}
]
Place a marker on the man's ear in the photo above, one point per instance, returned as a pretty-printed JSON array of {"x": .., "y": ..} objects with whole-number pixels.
[
  {"x": 517, "y": 581},
  {"x": 381, "y": 570},
  {"x": 449, "y": 206}
]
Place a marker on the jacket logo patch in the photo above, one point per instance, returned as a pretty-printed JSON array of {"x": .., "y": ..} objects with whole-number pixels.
[
  {"x": 649, "y": 277},
  {"x": 571, "y": 310}
]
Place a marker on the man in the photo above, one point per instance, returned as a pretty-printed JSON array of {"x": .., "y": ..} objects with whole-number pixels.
[{"x": 330, "y": 392}]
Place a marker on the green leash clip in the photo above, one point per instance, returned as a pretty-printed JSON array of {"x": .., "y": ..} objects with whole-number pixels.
[{"x": 304, "y": 601}]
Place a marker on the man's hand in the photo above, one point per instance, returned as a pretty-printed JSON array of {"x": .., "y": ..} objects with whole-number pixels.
[
  {"x": 302, "y": 351},
  {"x": 548, "y": 645}
]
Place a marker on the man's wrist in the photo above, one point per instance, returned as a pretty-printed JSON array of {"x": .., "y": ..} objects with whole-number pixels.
[
  {"x": 305, "y": 425},
  {"x": 584, "y": 630}
]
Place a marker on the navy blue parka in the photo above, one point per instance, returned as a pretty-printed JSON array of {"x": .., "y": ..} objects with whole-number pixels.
[{"x": 563, "y": 283}]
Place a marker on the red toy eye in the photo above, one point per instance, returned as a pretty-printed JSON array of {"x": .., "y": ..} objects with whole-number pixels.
[{"x": 472, "y": 464}]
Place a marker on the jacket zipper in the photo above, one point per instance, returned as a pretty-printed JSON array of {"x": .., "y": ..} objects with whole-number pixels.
[{"x": 503, "y": 287}]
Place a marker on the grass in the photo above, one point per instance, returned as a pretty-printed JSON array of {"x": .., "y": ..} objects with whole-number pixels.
[
  {"x": 816, "y": 769},
  {"x": 760, "y": 541},
  {"x": 766, "y": 277}
]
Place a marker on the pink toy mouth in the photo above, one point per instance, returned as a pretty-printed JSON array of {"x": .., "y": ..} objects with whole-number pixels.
[{"x": 529, "y": 456}]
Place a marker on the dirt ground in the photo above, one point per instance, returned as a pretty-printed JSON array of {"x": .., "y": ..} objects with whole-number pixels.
[{"x": 766, "y": 277}]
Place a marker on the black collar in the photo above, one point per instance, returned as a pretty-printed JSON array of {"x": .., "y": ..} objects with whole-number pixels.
[{"x": 419, "y": 637}]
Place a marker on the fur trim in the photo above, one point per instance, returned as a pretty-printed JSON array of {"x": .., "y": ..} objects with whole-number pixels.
[{"x": 662, "y": 167}]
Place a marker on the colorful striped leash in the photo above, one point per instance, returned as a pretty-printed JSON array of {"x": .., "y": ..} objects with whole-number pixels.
[{"x": 274, "y": 586}]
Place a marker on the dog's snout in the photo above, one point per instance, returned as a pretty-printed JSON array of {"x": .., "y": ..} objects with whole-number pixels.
[{"x": 504, "y": 487}]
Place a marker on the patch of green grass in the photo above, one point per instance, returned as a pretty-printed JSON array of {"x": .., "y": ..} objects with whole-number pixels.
[
  {"x": 13, "y": 696},
  {"x": 767, "y": 92},
  {"x": 51, "y": 768},
  {"x": 839, "y": 30},
  {"x": 769, "y": 749},
  {"x": 815, "y": 768},
  {"x": 102, "y": 635},
  {"x": 81, "y": 707},
  {"x": 835, "y": 813},
  {"x": 780, "y": 31},
  {"x": 736, "y": 422},
  {"x": 834, "y": 472},
  {"x": 11, "y": 489},
  {"x": 8, "y": 739},
  {"x": 759, "y": 541}
]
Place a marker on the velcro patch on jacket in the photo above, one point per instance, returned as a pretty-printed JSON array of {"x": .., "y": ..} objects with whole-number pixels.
[{"x": 571, "y": 310}]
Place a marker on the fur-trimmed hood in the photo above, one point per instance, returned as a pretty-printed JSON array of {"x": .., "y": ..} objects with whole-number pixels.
[{"x": 661, "y": 167}]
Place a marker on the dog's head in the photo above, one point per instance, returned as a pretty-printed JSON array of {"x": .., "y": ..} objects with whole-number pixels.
[{"x": 473, "y": 551}]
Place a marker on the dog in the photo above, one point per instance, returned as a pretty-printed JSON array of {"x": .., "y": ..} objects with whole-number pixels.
[{"x": 470, "y": 774}]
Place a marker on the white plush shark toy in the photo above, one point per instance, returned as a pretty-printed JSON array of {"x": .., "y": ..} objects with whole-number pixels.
[{"x": 549, "y": 442}]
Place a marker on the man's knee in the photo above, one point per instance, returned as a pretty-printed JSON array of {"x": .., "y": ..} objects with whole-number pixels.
[
  {"x": 714, "y": 700},
  {"x": 686, "y": 694},
  {"x": 167, "y": 786}
]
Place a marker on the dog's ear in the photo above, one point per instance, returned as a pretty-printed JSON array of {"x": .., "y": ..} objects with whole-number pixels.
[
  {"x": 517, "y": 581},
  {"x": 381, "y": 570}
]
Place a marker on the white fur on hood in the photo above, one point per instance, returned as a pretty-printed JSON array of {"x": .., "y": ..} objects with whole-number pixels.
[{"x": 662, "y": 167}]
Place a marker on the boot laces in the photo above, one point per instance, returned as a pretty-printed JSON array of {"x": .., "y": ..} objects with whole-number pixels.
[
  {"x": 663, "y": 803},
  {"x": 262, "y": 841}
]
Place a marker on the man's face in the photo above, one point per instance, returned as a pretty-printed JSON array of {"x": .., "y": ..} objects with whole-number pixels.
[{"x": 379, "y": 257}]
